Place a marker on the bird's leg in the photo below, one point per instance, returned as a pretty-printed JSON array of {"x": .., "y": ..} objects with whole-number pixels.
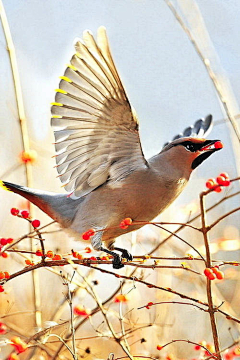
[
  {"x": 117, "y": 261},
  {"x": 125, "y": 253},
  {"x": 96, "y": 241}
]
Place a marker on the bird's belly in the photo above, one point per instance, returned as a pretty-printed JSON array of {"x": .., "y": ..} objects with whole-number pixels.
[{"x": 106, "y": 208}]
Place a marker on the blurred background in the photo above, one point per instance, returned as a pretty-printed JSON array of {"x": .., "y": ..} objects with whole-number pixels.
[{"x": 170, "y": 88}]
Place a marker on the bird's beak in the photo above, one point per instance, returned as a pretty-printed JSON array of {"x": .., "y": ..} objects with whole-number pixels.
[{"x": 207, "y": 149}]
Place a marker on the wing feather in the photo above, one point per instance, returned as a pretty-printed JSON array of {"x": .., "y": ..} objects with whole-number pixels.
[{"x": 95, "y": 128}]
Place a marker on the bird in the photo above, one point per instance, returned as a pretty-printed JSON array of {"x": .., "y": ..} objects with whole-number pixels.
[{"x": 99, "y": 157}]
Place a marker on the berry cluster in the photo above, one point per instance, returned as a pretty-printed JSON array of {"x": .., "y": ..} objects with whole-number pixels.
[
  {"x": 4, "y": 241},
  {"x": 25, "y": 215},
  {"x": 50, "y": 254},
  {"x": 125, "y": 223},
  {"x": 221, "y": 180},
  {"x": 210, "y": 348},
  {"x": 4, "y": 275},
  {"x": 214, "y": 273}
]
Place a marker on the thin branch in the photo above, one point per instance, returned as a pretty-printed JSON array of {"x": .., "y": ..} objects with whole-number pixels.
[
  {"x": 222, "y": 217},
  {"x": 209, "y": 285}
]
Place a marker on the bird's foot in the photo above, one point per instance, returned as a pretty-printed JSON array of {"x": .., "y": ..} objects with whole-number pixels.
[
  {"x": 117, "y": 259},
  {"x": 125, "y": 253},
  {"x": 117, "y": 262}
]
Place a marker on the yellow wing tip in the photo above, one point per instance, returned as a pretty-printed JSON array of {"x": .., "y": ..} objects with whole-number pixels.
[
  {"x": 65, "y": 78},
  {"x": 3, "y": 186},
  {"x": 56, "y": 116},
  {"x": 72, "y": 67},
  {"x": 56, "y": 104},
  {"x": 61, "y": 91}
]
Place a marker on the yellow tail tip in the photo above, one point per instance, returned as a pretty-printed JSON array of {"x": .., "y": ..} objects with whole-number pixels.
[{"x": 3, "y": 186}]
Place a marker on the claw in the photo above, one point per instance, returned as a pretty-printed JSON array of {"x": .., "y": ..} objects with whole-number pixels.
[
  {"x": 125, "y": 253},
  {"x": 117, "y": 262}
]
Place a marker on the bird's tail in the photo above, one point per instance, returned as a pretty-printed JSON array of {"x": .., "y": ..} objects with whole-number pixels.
[{"x": 58, "y": 206}]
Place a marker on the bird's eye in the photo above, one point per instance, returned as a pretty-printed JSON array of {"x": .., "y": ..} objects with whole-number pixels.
[{"x": 190, "y": 147}]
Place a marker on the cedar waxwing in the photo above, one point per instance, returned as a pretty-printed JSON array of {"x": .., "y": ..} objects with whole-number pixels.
[{"x": 99, "y": 156}]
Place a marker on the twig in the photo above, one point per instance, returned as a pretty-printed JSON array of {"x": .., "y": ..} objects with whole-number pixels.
[
  {"x": 222, "y": 217},
  {"x": 190, "y": 342},
  {"x": 211, "y": 308}
]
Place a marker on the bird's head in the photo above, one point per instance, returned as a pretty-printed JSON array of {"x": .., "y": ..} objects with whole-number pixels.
[{"x": 189, "y": 152}]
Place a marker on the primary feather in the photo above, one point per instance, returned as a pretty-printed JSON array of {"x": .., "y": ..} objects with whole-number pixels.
[{"x": 95, "y": 129}]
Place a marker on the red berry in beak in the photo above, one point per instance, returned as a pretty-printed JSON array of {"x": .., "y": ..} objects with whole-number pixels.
[{"x": 218, "y": 145}]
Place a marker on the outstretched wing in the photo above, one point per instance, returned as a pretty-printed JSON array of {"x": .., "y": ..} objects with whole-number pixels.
[
  {"x": 201, "y": 128},
  {"x": 95, "y": 128}
]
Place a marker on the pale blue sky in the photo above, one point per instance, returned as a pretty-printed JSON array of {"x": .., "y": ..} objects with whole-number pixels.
[{"x": 163, "y": 76}]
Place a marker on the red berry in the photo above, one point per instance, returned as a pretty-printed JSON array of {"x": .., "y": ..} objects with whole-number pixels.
[
  {"x": 50, "y": 254},
  {"x": 159, "y": 347},
  {"x": 91, "y": 232},
  {"x": 218, "y": 145},
  {"x": 39, "y": 253},
  {"x": 226, "y": 182},
  {"x": 88, "y": 234},
  {"x": 79, "y": 310},
  {"x": 2, "y": 276},
  {"x": 88, "y": 250},
  {"x": 209, "y": 274},
  {"x": 218, "y": 189},
  {"x": 4, "y": 255},
  {"x": 18, "y": 344},
  {"x": 219, "y": 275},
  {"x": 9, "y": 240},
  {"x": 225, "y": 175},
  {"x": 6, "y": 273},
  {"x": 220, "y": 180},
  {"x": 214, "y": 269},
  {"x": 36, "y": 223},
  {"x": 1, "y": 289},
  {"x": 85, "y": 236},
  {"x": 3, "y": 241},
  {"x": 25, "y": 214},
  {"x": 128, "y": 221},
  {"x": 3, "y": 328},
  {"x": 123, "y": 225},
  {"x": 14, "y": 211},
  {"x": 79, "y": 256},
  {"x": 210, "y": 183},
  {"x": 197, "y": 347},
  {"x": 28, "y": 262},
  {"x": 57, "y": 257},
  {"x": 207, "y": 271}
]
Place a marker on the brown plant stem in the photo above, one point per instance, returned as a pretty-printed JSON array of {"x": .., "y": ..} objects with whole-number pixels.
[
  {"x": 25, "y": 142},
  {"x": 211, "y": 308}
]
